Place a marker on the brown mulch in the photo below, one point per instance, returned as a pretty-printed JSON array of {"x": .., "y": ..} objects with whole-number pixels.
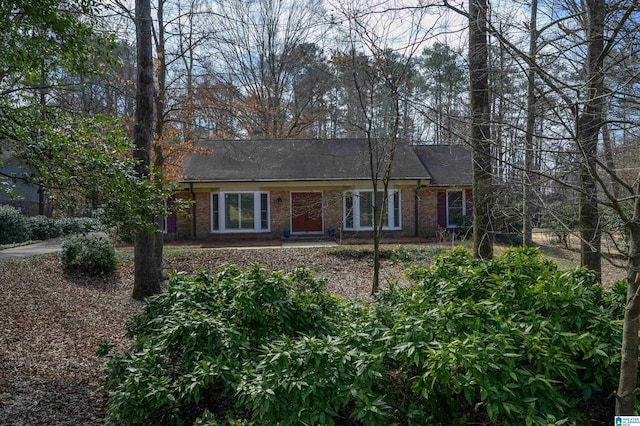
[{"x": 52, "y": 322}]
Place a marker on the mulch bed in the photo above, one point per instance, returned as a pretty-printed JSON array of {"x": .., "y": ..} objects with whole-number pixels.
[{"x": 51, "y": 323}]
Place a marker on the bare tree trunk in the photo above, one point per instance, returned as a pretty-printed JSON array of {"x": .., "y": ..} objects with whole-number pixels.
[
  {"x": 160, "y": 100},
  {"x": 607, "y": 146},
  {"x": 146, "y": 278},
  {"x": 529, "y": 176},
  {"x": 480, "y": 137},
  {"x": 627, "y": 391},
  {"x": 588, "y": 128}
]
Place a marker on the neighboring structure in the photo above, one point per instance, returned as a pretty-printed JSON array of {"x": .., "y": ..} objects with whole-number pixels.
[
  {"x": 273, "y": 188},
  {"x": 25, "y": 196}
]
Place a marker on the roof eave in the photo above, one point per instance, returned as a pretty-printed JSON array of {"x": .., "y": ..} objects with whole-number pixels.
[{"x": 294, "y": 180}]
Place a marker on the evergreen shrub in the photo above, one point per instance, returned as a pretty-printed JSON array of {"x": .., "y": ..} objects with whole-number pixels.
[
  {"x": 506, "y": 341},
  {"x": 92, "y": 254},
  {"x": 78, "y": 225},
  {"x": 13, "y": 226},
  {"x": 43, "y": 228}
]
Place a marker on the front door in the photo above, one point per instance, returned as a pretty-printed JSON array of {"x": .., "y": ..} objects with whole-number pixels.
[{"x": 306, "y": 212}]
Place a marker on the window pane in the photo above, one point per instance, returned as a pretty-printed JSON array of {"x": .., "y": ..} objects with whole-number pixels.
[
  {"x": 382, "y": 208},
  {"x": 366, "y": 209},
  {"x": 247, "y": 209},
  {"x": 396, "y": 209},
  {"x": 232, "y": 211},
  {"x": 348, "y": 214},
  {"x": 215, "y": 215},
  {"x": 238, "y": 211},
  {"x": 264, "y": 211},
  {"x": 455, "y": 204}
]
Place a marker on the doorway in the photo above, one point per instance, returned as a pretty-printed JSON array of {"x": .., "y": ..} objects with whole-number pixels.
[{"x": 306, "y": 213}]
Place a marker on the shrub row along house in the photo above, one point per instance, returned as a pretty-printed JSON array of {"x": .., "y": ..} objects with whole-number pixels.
[{"x": 269, "y": 189}]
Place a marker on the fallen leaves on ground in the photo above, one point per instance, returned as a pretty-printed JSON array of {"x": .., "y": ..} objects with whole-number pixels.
[{"x": 51, "y": 322}]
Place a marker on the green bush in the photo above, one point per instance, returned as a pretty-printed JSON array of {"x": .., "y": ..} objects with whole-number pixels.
[
  {"x": 78, "y": 225},
  {"x": 13, "y": 226},
  {"x": 93, "y": 254},
  {"x": 513, "y": 339},
  {"x": 192, "y": 343},
  {"x": 43, "y": 228},
  {"x": 507, "y": 341}
]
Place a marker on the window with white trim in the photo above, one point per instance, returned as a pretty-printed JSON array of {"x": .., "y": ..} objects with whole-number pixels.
[
  {"x": 241, "y": 211},
  {"x": 456, "y": 208},
  {"x": 358, "y": 209}
]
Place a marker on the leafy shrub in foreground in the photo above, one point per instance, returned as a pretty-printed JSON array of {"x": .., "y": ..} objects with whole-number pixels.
[
  {"x": 43, "y": 228},
  {"x": 513, "y": 339},
  {"x": 13, "y": 226},
  {"x": 93, "y": 254},
  {"x": 193, "y": 343},
  {"x": 507, "y": 341},
  {"x": 312, "y": 380}
]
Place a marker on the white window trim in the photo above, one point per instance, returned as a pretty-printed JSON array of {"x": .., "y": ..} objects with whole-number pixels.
[
  {"x": 356, "y": 211},
  {"x": 257, "y": 212},
  {"x": 464, "y": 206}
]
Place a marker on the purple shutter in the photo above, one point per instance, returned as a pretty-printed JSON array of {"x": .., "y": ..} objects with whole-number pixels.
[
  {"x": 442, "y": 209},
  {"x": 469, "y": 202},
  {"x": 172, "y": 221}
]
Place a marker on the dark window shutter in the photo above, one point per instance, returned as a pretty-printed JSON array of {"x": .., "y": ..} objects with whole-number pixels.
[
  {"x": 442, "y": 209},
  {"x": 469, "y": 202},
  {"x": 172, "y": 221}
]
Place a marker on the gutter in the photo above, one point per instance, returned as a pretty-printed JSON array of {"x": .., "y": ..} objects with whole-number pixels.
[{"x": 295, "y": 180}]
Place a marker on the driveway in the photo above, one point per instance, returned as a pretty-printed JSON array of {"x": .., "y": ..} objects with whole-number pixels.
[{"x": 42, "y": 247}]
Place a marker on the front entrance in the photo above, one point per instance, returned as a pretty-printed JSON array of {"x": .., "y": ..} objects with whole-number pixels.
[{"x": 306, "y": 212}]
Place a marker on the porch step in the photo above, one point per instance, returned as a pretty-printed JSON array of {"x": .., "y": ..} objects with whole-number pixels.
[{"x": 308, "y": 238}]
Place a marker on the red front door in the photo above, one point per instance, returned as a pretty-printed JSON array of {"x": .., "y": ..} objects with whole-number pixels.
[{"x": 306, "y": 212}]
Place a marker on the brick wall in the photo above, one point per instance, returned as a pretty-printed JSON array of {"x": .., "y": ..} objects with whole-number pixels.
[
  {"x": 183, "y": 222},
  {"x": 407, "y": 201},
  {"x": 280, "y": 205},
  {"x": 203, "y": 214},
  {"x": 428, "y": 212},
  {"x": 333, "y": 215}
]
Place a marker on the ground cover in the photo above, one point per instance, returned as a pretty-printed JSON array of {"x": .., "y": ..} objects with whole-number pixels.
[{"x": 52, "y": 322}]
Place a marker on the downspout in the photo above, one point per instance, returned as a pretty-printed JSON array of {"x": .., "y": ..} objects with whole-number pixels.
[{"x": 193, "y": 210}]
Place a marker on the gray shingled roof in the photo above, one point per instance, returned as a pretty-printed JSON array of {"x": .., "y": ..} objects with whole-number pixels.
[
  {"x": 293, "y": 159},
  {"x": 311, "y": 160},
  {"x": 448, "y": 165}
]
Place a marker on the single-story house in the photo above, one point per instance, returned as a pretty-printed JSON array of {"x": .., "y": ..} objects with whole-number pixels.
[{"x": 269, "y": 189}]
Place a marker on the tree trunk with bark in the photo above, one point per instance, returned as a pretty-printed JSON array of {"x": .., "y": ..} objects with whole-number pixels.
[
  {"x": 146, "y": 275},
  {"x": 529, "y": 175},
  {"x": 627, "y": 385},
  {"x": 588, "y": 128},
  {"x": 480, "y": 137}
]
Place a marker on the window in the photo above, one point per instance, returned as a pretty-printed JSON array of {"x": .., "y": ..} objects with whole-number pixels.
[
  {"x": 240, "y": 212},
  {"x": 455, "y": 208},
  {"x": 358, "y": 209}
]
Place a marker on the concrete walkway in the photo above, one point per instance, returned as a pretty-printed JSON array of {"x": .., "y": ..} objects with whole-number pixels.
[
  {"x": 35, "y": 249},
  {"x": 308, "y": 244},
  {"x": 55, "y": 245}
]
